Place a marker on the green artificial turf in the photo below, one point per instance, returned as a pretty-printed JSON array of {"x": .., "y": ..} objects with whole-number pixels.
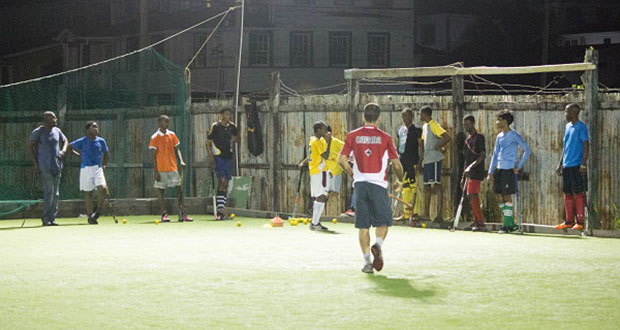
[{"x": 210, "y": 275}]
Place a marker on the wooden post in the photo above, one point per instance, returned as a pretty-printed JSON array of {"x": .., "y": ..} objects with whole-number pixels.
[
  {"x": 353, "y": 90},
  {"x": 188, "y": 134},
  {"x": 458, "y": 112},
  {"x": 274, "y": 140},
  {"x": 591, "y": 112},
  {"x": 120, "y": 127}
]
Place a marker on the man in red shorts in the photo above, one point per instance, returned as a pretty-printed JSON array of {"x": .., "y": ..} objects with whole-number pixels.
[
  {"x": 371, "y": 149},
  {"x": 475, "y": 153}
]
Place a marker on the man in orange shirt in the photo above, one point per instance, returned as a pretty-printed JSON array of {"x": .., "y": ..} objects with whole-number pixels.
[{"x": 165, "y": 144}]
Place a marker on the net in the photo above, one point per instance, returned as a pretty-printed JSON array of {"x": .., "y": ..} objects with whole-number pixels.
[{"x": 124, "y": 95}]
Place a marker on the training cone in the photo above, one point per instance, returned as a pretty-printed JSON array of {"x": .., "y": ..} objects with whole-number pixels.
[{"x": 277, "y": 222}]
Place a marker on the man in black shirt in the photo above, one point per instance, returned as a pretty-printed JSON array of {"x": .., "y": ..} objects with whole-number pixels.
[
  {"x": 222, "y": 135},
  {"x": 475, "y": 153},
  {"x": 410, "y": 158}
]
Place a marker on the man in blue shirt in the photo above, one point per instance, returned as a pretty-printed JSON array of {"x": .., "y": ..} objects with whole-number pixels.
[
  {"x": 94, "y": 152},
  {"x": 46, "y": 154},
  {"x": 504, "y": 168},
  {"x": 572, "y": 168}
]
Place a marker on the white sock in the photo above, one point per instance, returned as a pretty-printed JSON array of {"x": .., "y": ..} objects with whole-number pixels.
[
  {"x": 317, "y": 210},
  {"x": 379, "y": 241},
  {"x": 367, "y": 257}
]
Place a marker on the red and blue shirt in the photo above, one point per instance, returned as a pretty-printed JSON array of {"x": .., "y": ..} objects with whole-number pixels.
[{"x": 371, "y": 148}]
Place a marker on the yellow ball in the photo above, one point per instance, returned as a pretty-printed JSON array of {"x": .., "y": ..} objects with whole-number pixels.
[
  {"x": 124, "y": 221},
  {"x": 157, "y": 222},
  {"x": 423, "y": 224},
  {"x": 232, "y": 215},
  {"x": 334, "y": 220},
  {"x": 238, "y": 223}
]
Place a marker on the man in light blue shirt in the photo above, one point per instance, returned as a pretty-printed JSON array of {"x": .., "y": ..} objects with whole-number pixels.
[
  {"x": 572, "y": 168},
  {"x": 504, "y": 167}
]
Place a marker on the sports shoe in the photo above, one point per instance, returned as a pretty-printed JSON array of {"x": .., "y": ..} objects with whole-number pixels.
[
  {"x": 165, "y": 217},
  {"x": 368, "y": 268},
  {"x": 480, "y": 229},
  {"x": 220, "y": 216},
  {"x": 348, "y": 213},
  {"x": 92, "y": 219},
  {"x": 318, "y": 226},
  {"x": 564, "y": 225},
  {"x": 503, "y": 230},
  {"x": 377, "y": 261},
  {"x": 53, "y": 223},
  {"x": 578, "y": 226},
  {"x": 513, "y": 228},
  {"x": 184, "y": 217}
]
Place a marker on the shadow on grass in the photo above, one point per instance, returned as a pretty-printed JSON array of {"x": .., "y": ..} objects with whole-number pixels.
[
  {"x": 41, "y": 226},
  {"x": 332, "y": 232},
  {"x": 400, "y": 288}
]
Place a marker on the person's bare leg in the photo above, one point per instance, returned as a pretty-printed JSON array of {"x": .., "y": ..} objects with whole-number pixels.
[
  {"x": 88, "y": 200},
  {"x": 381, "y": 232},
  {"x": 439, "y": 193},
  {"x": 364, "y": 238},
  {"x": 427, "y": 201},
  {"x": 101, "y": 195},
  {"x": 160, "y": 198},
  {"x": 180, "y": 200}
]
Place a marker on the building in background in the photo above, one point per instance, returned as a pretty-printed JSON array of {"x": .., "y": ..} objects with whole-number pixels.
[{"x": 310, "y": 42}]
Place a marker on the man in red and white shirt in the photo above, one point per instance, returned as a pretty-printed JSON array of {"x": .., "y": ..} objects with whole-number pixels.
[{"x": 371, "y": 148}]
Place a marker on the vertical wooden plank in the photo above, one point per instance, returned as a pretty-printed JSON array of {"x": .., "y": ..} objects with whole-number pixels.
[
  {"x": 120, "y": 127},
  {"x": 458, "y": 112},
  {"x": 591, "y": 110},
  {"x": 353, "y": 90},
  {"x": 274, "y": 98}
]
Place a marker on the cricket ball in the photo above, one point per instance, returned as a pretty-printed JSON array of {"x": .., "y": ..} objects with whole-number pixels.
[
  {"x": 334, "y": 220},
  {"x": 238, "y": 223},
  {"x": 124, "y": 221},
  {"x": 157, "y": 222}
]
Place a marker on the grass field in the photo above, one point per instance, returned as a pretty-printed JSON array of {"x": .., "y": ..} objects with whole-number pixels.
[{"x": 214, "y": 275}]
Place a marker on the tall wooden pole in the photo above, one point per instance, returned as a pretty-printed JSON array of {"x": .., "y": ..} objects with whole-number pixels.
[{"x": 591, "y": 113}]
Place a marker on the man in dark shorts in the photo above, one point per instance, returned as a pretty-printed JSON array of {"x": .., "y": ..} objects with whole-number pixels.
[
  {"x": 219, "y": 143},
  {"x": 475, "y": 153},
  {"x": 572, "y": 168},
  {"x": 409, "y": 136},
  {"x": 371, "y": 149},
  {"x": 504, "y": 168},
  {"x": 435, "y": 139}
]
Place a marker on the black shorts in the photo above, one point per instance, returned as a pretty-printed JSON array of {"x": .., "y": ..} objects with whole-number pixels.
[
  {"x": 504, "y": 182},
  {"x": 432, "y": 173},
  {"x": 372, "y": 206},
  {"x": 573, "y": 182}
]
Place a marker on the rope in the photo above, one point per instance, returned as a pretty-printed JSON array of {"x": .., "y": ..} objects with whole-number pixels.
[
  {"x": 188, "y": 74},
  {"x": 123, "y": 55}
]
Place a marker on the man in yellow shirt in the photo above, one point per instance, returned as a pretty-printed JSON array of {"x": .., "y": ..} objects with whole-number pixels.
[
  {"x": 320, "y": 150},
  {"x": 333, "y": 169}
]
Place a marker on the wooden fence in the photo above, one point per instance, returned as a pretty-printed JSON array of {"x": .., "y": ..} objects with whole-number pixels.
[{"x": 539, "y": 119}]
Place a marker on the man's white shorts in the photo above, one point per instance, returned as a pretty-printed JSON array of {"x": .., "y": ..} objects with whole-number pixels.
[
  {"x": 168, "y": 179},
  {"x": 318, "y": 184},
  {"x": 335, "y": 181},
  {"x": 91, "y": 177}
]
